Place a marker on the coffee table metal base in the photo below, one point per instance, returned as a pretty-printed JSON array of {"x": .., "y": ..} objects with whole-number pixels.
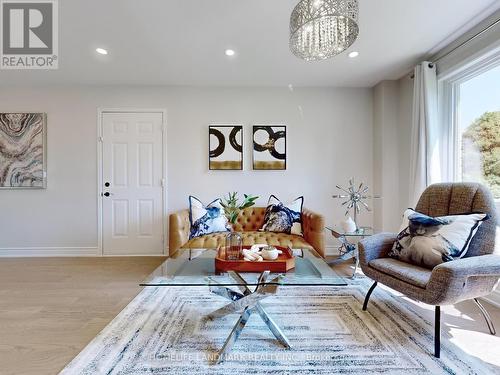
[{"x": 248, "y": 302}]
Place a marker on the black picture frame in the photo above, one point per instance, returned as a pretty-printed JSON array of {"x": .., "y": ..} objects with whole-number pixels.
[
  {"x": 227, "y": 136},
  {"x": 275, "y": 131}
]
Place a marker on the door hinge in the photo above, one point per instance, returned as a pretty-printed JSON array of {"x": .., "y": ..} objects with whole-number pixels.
[
  {"x": 101, "y": 139},
  {"x": 163, "y": 183}
]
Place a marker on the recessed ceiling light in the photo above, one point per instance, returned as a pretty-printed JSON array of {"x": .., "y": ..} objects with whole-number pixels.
[
  {"x": 230, "y": 52},
  {"x": 354, "y": 54},
  {"x": 101, "y": 51}
]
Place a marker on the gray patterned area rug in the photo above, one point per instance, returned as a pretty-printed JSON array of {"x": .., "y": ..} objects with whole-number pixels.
[{"x": 163, "y": 331}]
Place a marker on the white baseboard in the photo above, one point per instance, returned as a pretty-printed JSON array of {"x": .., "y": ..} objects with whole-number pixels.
[
  {"x": 130, "y": 255},
  {"x": 25, "y": 252},
  {"x": 494, "y": 298},
  {"x": 49, "y": 252}
]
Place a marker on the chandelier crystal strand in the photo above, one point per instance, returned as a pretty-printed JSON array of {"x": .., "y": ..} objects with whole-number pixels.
[{"x": 320, "y": 29}]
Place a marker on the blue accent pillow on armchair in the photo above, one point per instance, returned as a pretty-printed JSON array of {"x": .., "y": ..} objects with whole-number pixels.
[
  {"x": 206, "y": 219},
  {"x": 428, "y": 241}
]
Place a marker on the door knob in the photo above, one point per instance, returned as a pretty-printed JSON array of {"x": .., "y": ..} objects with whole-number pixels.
[
  {"x": 107, "y": 184},
  {"x": 107, "y": 194}
]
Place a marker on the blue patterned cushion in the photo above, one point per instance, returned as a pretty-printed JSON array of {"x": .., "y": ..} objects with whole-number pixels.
[
  {"x": 283, "y": 218},
  {"x": 206, "y": 219},
  {"x": 428, "y": 241}
]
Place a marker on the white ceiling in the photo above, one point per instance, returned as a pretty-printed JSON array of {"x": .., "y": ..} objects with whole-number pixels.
[{"x": 182, "y": 42}]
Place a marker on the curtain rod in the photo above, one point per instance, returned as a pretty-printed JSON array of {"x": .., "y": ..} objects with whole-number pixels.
[
  {"x": 479, "y": 33},
  {"x": 493, "y": 24},
  {"x": 431, "y": 65}
]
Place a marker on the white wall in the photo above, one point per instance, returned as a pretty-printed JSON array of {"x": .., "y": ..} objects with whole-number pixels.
[
  {"x": 392, "y": 110},
  {"x": 405, "y": 109},
  {"x": 386, "y": 171},
  {"x": 329, "y": 140}
]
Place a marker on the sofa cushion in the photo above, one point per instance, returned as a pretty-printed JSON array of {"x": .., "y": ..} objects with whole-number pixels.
[
  {"x": 206, "y": 219},
  {"x": 250, "y": 219},
  {"x": 283, "y": 218},
  {"x": 406, "y": 272},
  {"x": 215, "y": 240}
]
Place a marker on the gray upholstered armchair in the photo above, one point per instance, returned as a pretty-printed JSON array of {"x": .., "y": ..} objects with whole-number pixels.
[{"x": 473, "y": 276}]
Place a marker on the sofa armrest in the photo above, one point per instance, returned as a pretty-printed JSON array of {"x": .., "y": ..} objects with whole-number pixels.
[
  {"x": 374, "y": 247},
  {"x": 313, "y": 227},
  {"x": 179, "y": 227}
]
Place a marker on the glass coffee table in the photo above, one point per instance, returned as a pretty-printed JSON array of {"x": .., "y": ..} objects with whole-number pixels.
[{"x": 244, "y": 291}]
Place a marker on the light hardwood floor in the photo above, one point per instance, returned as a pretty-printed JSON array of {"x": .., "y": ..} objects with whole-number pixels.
[{"x": 50, "y": 308}]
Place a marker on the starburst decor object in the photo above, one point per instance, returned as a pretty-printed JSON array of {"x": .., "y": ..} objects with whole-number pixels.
[
  {"x": 320, "y": 29},
  {"x": 355, "y": 196}
]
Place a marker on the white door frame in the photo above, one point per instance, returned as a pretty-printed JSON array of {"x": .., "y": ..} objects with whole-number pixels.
[{"x": 100, "y": 113}]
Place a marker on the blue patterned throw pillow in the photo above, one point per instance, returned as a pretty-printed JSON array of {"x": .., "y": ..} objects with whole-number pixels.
[
  {"x": 428, "y": 241},
  {"x": 206, "y": 219},
  {"x": 283, "y": 218}
]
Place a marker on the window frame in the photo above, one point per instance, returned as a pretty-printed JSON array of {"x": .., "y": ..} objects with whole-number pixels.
[{"x": 449, "y": 108}]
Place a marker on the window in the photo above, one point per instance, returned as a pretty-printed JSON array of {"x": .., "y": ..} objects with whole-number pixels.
[
  {"x": 474, "y": 106},
  {"x": 478, "y": 129}
]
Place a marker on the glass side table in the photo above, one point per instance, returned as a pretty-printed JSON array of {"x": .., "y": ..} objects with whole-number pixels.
[{"x": 349, "y": 244}]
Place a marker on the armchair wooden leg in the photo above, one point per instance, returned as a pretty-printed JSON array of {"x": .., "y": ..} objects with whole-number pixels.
[
  {"x": 367, "y": 298},
  {"x": 437, "y": 332}
]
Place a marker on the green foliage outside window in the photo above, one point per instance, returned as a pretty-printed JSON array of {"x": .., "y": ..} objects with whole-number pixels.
[{"x": 484, "y": 136}]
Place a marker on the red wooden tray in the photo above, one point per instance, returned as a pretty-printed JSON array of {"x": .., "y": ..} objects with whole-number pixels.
[{"x": 284, "y": 263}]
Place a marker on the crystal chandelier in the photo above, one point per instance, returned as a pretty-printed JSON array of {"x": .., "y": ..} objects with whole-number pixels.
[{"x": 320, "y": 29}]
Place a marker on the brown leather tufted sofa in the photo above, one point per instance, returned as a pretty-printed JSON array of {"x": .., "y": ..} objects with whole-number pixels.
[{"x": 248, "y": 224}]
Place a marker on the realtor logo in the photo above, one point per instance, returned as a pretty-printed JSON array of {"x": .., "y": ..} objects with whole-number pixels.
[{"x": 29, "y": 34}]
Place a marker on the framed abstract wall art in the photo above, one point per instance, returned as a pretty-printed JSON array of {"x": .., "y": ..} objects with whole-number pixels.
[
  {"x": 23, "y": 150},
  {"x": 269, "y": 147},
  {"x": 225, "y": 147}
]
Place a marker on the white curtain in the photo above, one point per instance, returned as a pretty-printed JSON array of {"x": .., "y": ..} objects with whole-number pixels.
[{"x": 425, "y": 167}]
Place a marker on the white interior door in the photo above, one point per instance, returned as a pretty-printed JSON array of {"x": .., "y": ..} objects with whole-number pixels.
[{"x": 132, "y": 191}]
